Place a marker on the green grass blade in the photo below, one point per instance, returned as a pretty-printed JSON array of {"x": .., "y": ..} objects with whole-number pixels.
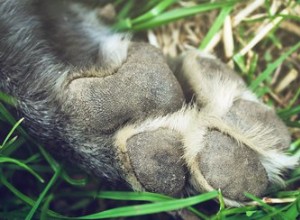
[
  {"x": 294, "y": 99},
  {"x": 15, "y": 215},
  {"x": 267, "y": 207},
  {"x": 181, "y": 13},
  {"x": 11, "y": 120},
  {"x": 16, "y": 192},
  {"x": 7, "y": 143},
  {"x": 290, "y": 211},
  {"x": 11, "y": 132},
  {"x": 33, "y": 158},
  {"x": 22, "y": 165},
  {"x": 216, "y": 26},
  {"x": 72, "y": 181},
  {"x": 262, "y": 91},
  {"x": 82, "y": 203},
  {"x": 45, "y": 208},
  {"x": 295, "y": 146},
  {"x": 152, "y": 208},
  {"x": 292, "y": 124},
  {"x": 294, "y": 211},
  {"x": 150, "y": 4},
  {"x": 286, "y": 113},
  {"x": 6, "y": 114},
  {"x": 252, "y": 68},
  {"x": 158, "y": 9},
  {"x": 8, "y": 99},
  {"x": 221, "y": 201},
  {"x": 271, "y": 67},
  {"x": 142, "y": 196},
  {"x": 21, "y": 196},
  {"x": 54, "y": 165},
  {"x": 12, "y": 145},
  {"x": 240, "y": 61},
  {"x": 284, "y": 194},
  {"x": 125, "y": 10},
  {"x": 239, "y": 210},
  {"x": 199, "y": 214},
  {"x": 43, "y": 194},
  {"x": 133, "y": 196}
]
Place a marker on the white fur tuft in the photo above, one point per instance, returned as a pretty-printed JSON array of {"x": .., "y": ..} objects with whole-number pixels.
[
  {"x": 276, "y": 163},
  {"x": 114, "y": 49}
]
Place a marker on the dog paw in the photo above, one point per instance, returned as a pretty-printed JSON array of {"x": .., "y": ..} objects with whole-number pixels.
[{"x": 225, "y": 139}]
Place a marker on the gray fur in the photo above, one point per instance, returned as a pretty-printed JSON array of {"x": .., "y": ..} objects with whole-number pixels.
[{"x": 40, "y": 49}]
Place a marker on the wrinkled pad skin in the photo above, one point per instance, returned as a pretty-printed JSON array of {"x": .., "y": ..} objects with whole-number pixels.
[
  {"x": 144, "y": 85},
  {"x": 232, "y": 167},
  {"x": 156, "y": 160}
]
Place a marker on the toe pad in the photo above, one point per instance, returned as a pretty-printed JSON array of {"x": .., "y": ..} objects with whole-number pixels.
[
  {"x": 155, "y": 157},
  {"x": 232, "y": 167}
]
